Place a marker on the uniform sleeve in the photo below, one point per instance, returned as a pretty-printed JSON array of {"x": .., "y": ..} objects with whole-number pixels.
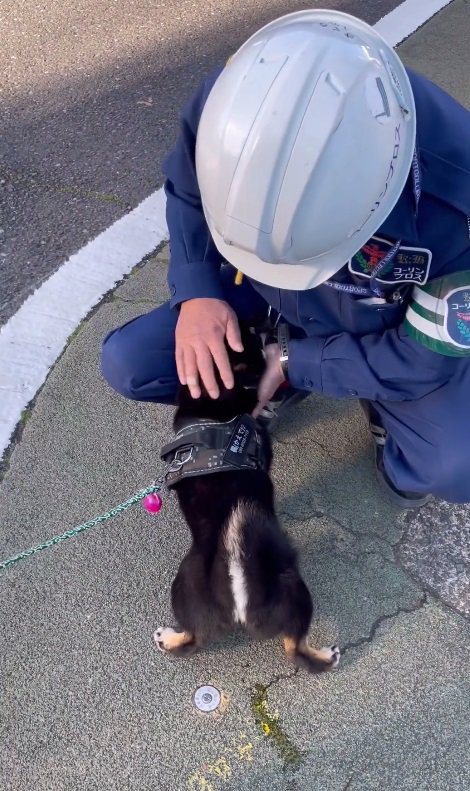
[
  {"x": 392, "y": 366},
  {"x": 388, "y": 367},
  {"x": 194, "y": 269}
]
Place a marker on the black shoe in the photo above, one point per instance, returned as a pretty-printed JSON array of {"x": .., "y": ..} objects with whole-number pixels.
[
  {"x": 379, "y": 435},
  {"x": 284, "y": 398}
]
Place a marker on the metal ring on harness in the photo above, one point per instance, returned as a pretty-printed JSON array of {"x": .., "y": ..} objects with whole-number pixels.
[{"x": 215, "y": 447}]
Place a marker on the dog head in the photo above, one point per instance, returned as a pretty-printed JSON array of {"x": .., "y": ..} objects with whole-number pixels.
[{"x": 247, "y": 367}]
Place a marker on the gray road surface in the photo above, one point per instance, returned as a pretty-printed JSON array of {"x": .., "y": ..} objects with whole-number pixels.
[
  {"x": 88, "y": 704},
  {"x": 90, "y": 95}
]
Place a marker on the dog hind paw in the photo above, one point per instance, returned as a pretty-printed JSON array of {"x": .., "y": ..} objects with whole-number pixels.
[{"x": 160, "y": 635}]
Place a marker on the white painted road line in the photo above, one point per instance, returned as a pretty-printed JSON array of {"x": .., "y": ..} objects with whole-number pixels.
[
  {"x": 406, "y": 18},
  {"x": 32, "y": 339},
  {"x": 35, "y": 336}
]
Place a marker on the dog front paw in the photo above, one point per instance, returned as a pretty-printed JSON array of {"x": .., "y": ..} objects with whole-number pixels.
[
  {"x": 169, "y": 641},
  {"x": 332, "y": 654},
  {"x": 162, "y": 638}
]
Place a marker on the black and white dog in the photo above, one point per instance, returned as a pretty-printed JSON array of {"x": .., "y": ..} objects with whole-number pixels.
[{"x": 241, "y": 568}]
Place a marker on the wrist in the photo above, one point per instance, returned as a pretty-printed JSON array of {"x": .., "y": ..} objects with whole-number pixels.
[{"x": 283, "y": 336}]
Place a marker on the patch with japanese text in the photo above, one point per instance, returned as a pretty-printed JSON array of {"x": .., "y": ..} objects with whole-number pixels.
[
  {"x": 237, "y": 450},
  {"x": 438, "y": 315},
  {"x": 409, "y": 264},
  {"x": 457, "y": 317}
]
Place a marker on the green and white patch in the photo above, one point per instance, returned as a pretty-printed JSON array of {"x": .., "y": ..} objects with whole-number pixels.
[{"x": 438, "y": 316}]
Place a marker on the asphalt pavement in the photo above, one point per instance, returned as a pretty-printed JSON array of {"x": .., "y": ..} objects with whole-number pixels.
[
  {"x": 90, "y": 95},
  {"x": 87, "y": 700}
]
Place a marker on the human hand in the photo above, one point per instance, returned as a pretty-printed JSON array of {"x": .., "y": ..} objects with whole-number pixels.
[
  {"x": 201, "y": 330},
  {"x": 272, "y": 378}
]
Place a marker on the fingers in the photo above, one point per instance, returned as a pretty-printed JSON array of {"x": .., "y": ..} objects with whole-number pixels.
[
  {"x": 179, "y": 357},
  {"x": 195, "y": 364},
  {"x": 266, "y": 390},
  {"x": 205, "y": 366},
  {"x": 271, "y": 380},
  {"x": 219, "y": 353},
  {"x": 201, "y": 330},
  {"x": 233, "y": 334},
  {"x": 190, "y": 372},
  {"x": 264, "y": 395}
]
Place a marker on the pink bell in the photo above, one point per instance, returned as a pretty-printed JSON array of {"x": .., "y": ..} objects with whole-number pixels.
[{"x": 152, "y": 503}]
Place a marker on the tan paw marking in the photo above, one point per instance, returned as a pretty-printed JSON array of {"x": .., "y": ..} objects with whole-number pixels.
[
  {"x": 168, "y": 639},
  {"x": 330, "y": 654}
]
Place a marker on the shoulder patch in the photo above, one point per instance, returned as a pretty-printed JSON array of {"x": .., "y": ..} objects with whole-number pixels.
[
  {"x": 409, "y": 265},
  {"x": 438, "y": 316}
]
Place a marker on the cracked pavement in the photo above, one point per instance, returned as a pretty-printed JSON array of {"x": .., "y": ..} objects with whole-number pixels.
[{"x": 87, "y": 700}]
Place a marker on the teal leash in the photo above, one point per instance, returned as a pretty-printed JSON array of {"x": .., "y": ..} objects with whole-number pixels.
[
  {"x": 156, "y": 486},
  {"x": 118, "y": 509}
]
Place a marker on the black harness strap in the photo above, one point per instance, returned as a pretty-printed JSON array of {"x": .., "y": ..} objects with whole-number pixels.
[{"x": 204, "y": 448}]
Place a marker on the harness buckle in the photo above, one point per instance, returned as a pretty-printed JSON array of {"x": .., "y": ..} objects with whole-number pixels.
[{"x": 179, "y": 461}]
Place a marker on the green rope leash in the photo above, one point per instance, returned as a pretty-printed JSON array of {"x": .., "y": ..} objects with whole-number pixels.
[{"x": 118, "y": 509}]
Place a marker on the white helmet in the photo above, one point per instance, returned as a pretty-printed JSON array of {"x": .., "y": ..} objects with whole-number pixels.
[{"x": 304, "y": 146}]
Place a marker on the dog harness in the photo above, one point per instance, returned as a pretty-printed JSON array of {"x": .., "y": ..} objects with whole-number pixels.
[{"x": 204, "y": 447}]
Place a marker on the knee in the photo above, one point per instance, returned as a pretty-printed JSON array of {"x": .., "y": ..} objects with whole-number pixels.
[
  {"x": 137, "y": 367},
  {"x": 117, "y": 365}
]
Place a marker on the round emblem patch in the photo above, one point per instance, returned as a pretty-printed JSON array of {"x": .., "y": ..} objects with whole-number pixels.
[
  {"x": 438, "y": 315},
  {"x": 457, "y": 317}
]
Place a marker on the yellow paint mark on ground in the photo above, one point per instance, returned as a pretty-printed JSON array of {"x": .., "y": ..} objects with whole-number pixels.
[
  {"x": 197, "y": 782},
  {"x": 221, "y": 768},
  {"x": 211, "y": 775},
  {"x": 245, "y": 752},
  {"x": 271, "y": 728}
]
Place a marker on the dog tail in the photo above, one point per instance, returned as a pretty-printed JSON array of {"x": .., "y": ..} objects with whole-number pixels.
[{"x": 315, "y": 660}]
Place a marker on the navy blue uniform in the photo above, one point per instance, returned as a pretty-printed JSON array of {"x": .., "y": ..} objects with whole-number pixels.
[{"x": 404, "y": 345}]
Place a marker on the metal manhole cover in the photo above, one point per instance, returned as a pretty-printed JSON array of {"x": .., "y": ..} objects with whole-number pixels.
[{"x": 207, "y": 698}]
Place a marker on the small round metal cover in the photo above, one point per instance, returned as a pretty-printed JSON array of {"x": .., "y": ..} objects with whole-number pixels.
[{"x": 207, "y": 698}]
